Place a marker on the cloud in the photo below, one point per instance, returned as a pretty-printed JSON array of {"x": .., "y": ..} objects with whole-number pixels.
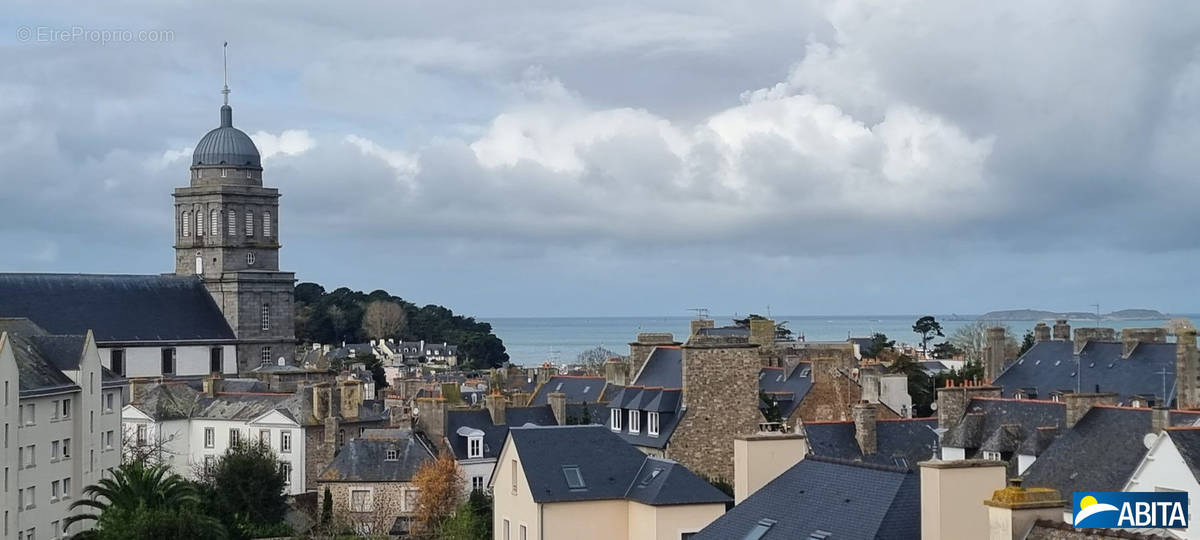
[{"x": 289, "y": 142}]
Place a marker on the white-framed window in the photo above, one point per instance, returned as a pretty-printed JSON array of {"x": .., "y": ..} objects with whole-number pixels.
[
  {"x": 54, "y": 446},
  {"x": 614, "y": 419},
  {"x": 168, "y": 360},
  {"x": 117, "y": 361},
  {"x": 235, "y": 436},
  {"x": 249, "y": 258},
  {"x": 652, "y": 424},
  {"x": 200, "y": 226},
  {"x": 66, "y": 408},
  {"x": 267, "y": 224},
  {"x": 265, "y": 355},
  {"x": 224, "y": 173},
  {"x": 109, "y": 436},
  {"x": 285, "y": 467},
  {"x": 524, "y": 531},
  {"x": 230, "y": 222},
  {"x": 514, "y": 477},
  {"x": 474, "y": 447},
  {"x": 249, "y": 223},
  {"x": 66, "y": 492},
  {"x": 66, "y": 448},
  {"x": 109, "y": 399},
  {"x": 264, "y": 436},
  {"x": 362, "y": 500},
  {"x": 209, "y": 461},
  {"x": 391, "y": 454},
  {"x": 214, "y": 223},
  {"x": 54, "y": 493},
  {"x": 140, "y": 436},
  {"x": 635, "y": 420},
  {"x": 477, "y": 483},
  {"x": 994, "y": 456},
  {"x": 285, "y": 440},
  {"x": 185, "y": 223},
  {"x": 210, "y": 437},
  {"x": 265, "y": 323},
  {"x": 506, "y": 537}
]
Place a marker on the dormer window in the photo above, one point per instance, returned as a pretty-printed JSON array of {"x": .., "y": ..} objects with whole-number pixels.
[
  {"x": 635, "y": 421},
  {"x": 391, "y": 454},
  {"x": 614, "y": 419},
  {"x": 652, "y": 424},
  {"x": 475, "y": 447}
]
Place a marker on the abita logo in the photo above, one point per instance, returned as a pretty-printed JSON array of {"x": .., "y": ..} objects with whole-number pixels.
[{"x": 1135, "y": 509}]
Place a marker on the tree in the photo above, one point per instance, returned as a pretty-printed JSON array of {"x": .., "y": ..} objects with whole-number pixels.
[
  {"x": 327, "y": 508},
  {"x": 927, "y": 327},
  {"x": 375, "y": 366},
  {"x": 771, "y": 413},
  {"x": 439, "y": 488},
  {"x": 879, "y": 342},
  {"x": 781, "y": 330},
  {"x": 594, "y": 358},
  {"x": 142, "y": 496},
  {"x": 142, "y": 522},
  {"x": 971, "y": 340},
  {"x": 246, "y": 487},
  {"x": 384, "y": 319},
  {"x": 1026, "y": 342},
  {"x": 945, "y": 350},
  {"x": 472, "y": 520}
]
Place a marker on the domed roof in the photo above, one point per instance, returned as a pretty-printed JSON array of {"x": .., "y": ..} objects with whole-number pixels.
[{"x": 226, "y": 145}]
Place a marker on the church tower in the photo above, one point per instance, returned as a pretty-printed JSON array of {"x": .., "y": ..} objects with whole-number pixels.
[{"x": 227, "y": 232}]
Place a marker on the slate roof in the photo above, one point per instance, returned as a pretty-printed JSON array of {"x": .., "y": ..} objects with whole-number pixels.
[
  {"x": 493, "y": 435},
  {"x": 787, "y": 389},
  {"x": 578, "y": 389},
  {"x": 1187, "y": 441},
  {"x": 597, "y": 413},
  {"x": 898, "y": 443},
  {"x": 663, "y": 368},
  {"x": 365, "y": 459},
  {"x": 610, "y": 469},
  {"x": 841, "y": 498},
  {"x": 116, "y": 308},
  {"x": 356, "y": 349},
  {"x": 1050, "y": 367},
  {"x": 1099, "y": 453},
  {"x": 177, "y": 401},
  {"x": 999, "y": 424},
  {"x": 37, "y": 361}
]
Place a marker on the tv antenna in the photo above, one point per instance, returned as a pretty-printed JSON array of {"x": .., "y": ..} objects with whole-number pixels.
[
  {"x": 701, "y": 313},
  {"x": 1097, "y": 306}
]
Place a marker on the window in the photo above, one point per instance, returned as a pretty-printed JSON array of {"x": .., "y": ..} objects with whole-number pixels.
[
  {"x": 54, "y": 446},
  {"x": 523, "y": 532},
  {"x": 235, "y": 436},
  {"x": 341, "y": 439},
  {"x": 475, "y": 447},
  {"x": 360, "y": 500},
  {"x": 574, "y": 477},
  {"x": 110, "y": 399},
  {"x": 391, "y": 455},
  {"x": 66, "y": 408},
  {"x": 54, "y": 411},
  {"x": 30, "y": 498},
  {"x": 66, "y": 448},
  {"x": 477, "y": 483},
  {"x": 635, "y": 421},
  {"x": 168, "y": 361},
  {"x": 210, "y": 437},
  {"x": 108, "y": 439},
  {"x": 761, "y": 528},
  {"x": 249, "y": 258},
  {"x": 994, "y": 456},
  {"x": 184, "y": 223},
  {"x": 266, "y": 318},
  {"x": 264, "y": 437},
  {"x": 224, "y": 173},
  {"x": 249, "y": 223},
  {"x": 265, "y": 357},
  {"x": 30, "y": 414},
  {"x": 230, "y": 222},
  {"x": 285, "y": 440},
  {"x": 216, "y": 360},
  {"x": 614, "y": 416},
  {"x": 199, "y": 223},
  {"x": 141, "y": 435},
  {"x": 209, "y": 461},
  {"x": 652, "y": 424},
  {"x": 506, "y": 537},
  {"x": 66, "y": 483},
  {"x": 54, "y": 491},
  {"x": 285, "y": 467},
  {"x": 214, "y": 223},
  {"x": 410, "y": 500},
  {"x": 514, "y": 477},
  {"x": 267, "y": 224}
]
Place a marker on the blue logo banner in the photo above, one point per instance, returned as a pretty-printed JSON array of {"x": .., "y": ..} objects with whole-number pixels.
[{"x": 1135, "y": 509}]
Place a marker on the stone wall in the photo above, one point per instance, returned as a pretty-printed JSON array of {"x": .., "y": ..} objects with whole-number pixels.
[
  {"x": 390, "y": 500},
  {"x": 720, "y": 394},
  {"x": 1186, "y": 369},
  {"x": 1084, "y": 334},
  {"x": 1062, "y": 330},
  {"x": 639, "y": 350},
  {"x": 952, "y": 402},
  {"x": 1130, "y": 337}
]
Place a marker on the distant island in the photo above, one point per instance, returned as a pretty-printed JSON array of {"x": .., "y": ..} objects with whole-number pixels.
[{"x": 1037, "y": 315}]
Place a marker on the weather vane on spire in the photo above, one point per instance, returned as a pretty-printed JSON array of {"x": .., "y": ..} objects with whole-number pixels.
[{"x": 225, "y": 60}]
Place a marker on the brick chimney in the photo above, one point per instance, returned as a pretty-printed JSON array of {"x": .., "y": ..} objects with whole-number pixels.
[
  {"x": 1079, "y": 404},
  {"x": 558, "y": 405},
  {"x": 496, "y": 407},
  {"x": 1130, "y": 337},
  {"x": 616, "y": 372},
  {"x": 697, "y": 324},
  {"x": 1084, "y": 334},
  {"x": 762, "y": 332},
  {"x": 994, "y": 353},
  {"x": 1188, "y": 395},
  {"x": 1041, "y": 332},
  {"x": 212, "y": 385},
  {"x": 431, "y": 416},
  {"x": 864, "y": 427},
  {"x": 1013, "y": 510},
  {"x": 952, "y": 402},
  {"x": 640, "y": 350},
  {"x": 545, "y": 372},
  {"x": 1062, "y": 330},
  {"x": 1160, "y": 417}
]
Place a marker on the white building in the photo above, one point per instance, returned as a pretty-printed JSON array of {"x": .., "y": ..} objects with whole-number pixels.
[
  {"x": 62, "y": 430},
  {"x": 1172, "y": 464},
  {"x": 193, "y": 429}
]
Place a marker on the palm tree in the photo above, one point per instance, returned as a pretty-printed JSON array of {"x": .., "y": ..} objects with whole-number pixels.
[{"x": 137, "y": 487}]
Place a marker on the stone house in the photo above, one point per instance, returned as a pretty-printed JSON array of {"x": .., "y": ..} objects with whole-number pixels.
[{"x": 371, "y": 480}]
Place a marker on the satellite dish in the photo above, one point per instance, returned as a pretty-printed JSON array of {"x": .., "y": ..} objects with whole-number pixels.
[
  {"x": 1149, "y": 439},
  {"x": 933, "y": 406}
]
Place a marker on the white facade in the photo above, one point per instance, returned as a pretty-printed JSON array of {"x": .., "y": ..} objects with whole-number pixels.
[
  {"x": 1163, "y": 469},
  {"x": 189, "y": 360},
  {"x": 56, "y": 442},
  {"x": 191, "y": 444}
]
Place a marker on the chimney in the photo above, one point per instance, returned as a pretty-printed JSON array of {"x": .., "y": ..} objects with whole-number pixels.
[
  {"x": 822, "y": 369},
  {"x": 1160, "y": 417},
  {"x": 212, "y": 385},
  {"x": 1013, "y": 510},
  {"x": 320, "y": 400},
  {"x": 558, "y": 405},
  {"x": 545, "y": 372},
  {"x": 1084, "y": 334},
  {"x": 952, "y": 402},
  {"x": 1062, "y": 330},
  {"x": 1186, "y": 369},
  {"x": 1130, "y": 337},
  {"x": 431, "y": 417},
  {"x": 139, "y": 386},
  {"x": 762, "y": 332},
  {"x": 760, "y": 458},
  {"x": 496, "y": 407},
  {"x": 1079, "y": 404},
  {"x": 864, "y": 427},
  {"x": 640, "y": 350},
  {"x": 997, "y": 345},
  {"x": 351, "y": 398},
  {"x": 616, "y": 372},
  {"x": 951, "y": 492},
  {"x": 697, "y": 324},
  {"x": 870, "y": 381},
  {"x": 1041, "y": 332}
]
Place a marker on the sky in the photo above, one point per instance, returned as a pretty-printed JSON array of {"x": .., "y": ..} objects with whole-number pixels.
[{"x": 642, "y": 158}]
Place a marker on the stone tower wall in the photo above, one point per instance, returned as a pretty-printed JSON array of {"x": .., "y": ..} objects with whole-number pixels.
[{"x": 720, "y": 394}]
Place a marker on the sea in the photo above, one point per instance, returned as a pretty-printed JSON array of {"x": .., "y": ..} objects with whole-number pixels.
[{"x": 534, "y": 340}]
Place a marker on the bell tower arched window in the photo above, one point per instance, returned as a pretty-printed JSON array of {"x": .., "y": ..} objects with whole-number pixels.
[
  {"x": 231, "y": 222},
  {"x": 185, "y": 220},
  {"x": 215, "y": 223},
  {"x": 200, "y": 223},
  {"x": 267, "y": 224},
  {"x": 249, "y": 223}
]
